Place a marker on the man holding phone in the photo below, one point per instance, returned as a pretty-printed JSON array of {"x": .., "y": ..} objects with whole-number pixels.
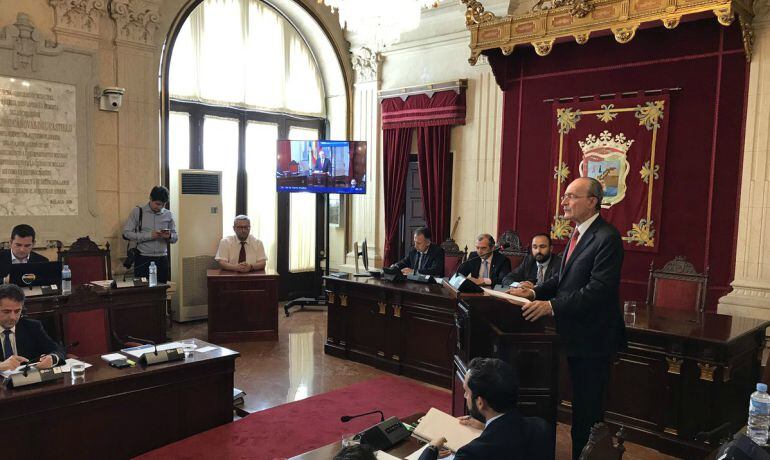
[
  {"x": 152, "y": 232},
  {"x": 23, "y": 340}
]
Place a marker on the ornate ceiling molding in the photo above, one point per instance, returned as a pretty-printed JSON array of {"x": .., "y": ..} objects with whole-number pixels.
[
  {"x": 23, "y": 38},
  {"x": 79, "y": 16},
  {"x": 553, "y": 20},
  {"x": 366, "y": 63},
  {"x": 135, "y": 21}
]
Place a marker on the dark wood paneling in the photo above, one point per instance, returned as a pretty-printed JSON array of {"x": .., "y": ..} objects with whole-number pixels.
[{"x": 242, "y": 306}]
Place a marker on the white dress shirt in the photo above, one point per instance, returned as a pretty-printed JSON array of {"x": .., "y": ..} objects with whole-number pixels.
[
  {"x": 230, "y": 248},
  {"x": 583, "y": 228},
  {"x": 16, "y": 260}
]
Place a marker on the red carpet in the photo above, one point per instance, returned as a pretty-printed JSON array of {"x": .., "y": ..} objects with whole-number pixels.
[{"x": 294, "y": 428}]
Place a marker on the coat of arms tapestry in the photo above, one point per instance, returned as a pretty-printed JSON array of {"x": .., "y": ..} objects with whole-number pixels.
[{"x": 622, "y": 143}]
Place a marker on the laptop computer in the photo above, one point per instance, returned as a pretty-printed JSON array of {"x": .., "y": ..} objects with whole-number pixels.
[{"x": 37, "y": 278}]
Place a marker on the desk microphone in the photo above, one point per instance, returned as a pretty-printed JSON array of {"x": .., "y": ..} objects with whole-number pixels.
[
  {"x": 347, "y": 418},
  {"x": 157, "y": 357},
  {"x": 144, "y": 341}
]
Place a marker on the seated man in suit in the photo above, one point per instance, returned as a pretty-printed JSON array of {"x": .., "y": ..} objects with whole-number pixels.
[
  {"x": 322, "y": 164},
  {"x": 23, "y": 340},
  {"x": 22, "y": 241},
  {"x": 486, "y": 266},
  {"x": 424, "y": 258},
  {"x": 491, "y": 393},
  {"x": 539, "y": 265},
  {"x": 241, "y": 252}
]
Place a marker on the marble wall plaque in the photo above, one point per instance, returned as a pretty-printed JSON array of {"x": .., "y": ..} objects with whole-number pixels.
[{"x": 38, "y": 148}]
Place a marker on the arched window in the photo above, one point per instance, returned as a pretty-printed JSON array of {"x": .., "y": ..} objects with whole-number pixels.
[{"x": 240, "y": 78}]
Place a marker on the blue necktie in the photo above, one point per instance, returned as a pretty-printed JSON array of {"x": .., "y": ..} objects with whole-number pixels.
[{"x": 8, "y": 349}]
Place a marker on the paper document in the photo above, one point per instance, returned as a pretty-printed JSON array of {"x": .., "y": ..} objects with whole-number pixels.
[
  {"x": 505, "y": 296},
  {"x": 384, "y": 456},
  {"x": 416, "y": 454},
  {"x": 70, "y": 362},
  {"x": 137, "y": 352},
  {"x": 63, "y": 368},
  {"x": 439, "y": 280},
  {"x": 113, "y": 357},
  {"x": 205, "y": 349},
  {"x": 436, "y": 424}
]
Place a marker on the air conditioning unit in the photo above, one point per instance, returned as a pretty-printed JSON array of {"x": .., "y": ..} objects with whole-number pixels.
[{"x": 198, "y": 209}]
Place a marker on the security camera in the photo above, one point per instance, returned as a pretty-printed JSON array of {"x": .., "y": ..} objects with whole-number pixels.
[{"x": 111, "y": 99}]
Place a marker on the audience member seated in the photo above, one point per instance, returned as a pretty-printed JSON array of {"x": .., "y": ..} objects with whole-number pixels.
[
  {"x": 491, "y": 393},
  {"x": 241, "y": 252},
  {"x": 356, "y": 452},
  {"x": 424, "y": 258},
  {"x": 539, "y": 265},
  {"x": 23, "y": 339},
  {"x": 22, "y": 242},
  {"x": 486, "y": 267}
]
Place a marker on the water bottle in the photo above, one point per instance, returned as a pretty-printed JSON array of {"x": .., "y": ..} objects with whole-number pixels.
[
  {"x": 153, "y": 274},
  {"x": 66, "y": 280},
  {"x": 759, "y": 415}
]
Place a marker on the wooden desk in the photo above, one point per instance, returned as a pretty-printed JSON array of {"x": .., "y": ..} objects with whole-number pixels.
[
  {"x": 400, "y": 450},
  {"x": 119, "y": 413},
  {"x": 135, "y": 311},
  {"x": 242, "y": 306}
]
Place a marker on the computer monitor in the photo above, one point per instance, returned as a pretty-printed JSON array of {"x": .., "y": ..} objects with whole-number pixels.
[
  {"x": 364, "y": 254},
  {"x": 36, "y": 274}
]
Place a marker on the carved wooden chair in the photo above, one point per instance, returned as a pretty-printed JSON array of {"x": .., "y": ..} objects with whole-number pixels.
[
  {"x": 453, "y": 256},
  {"x": 601, "y": 446},
  {"x": 677, "y": 285},
  {"x": 514, "y": 251},
  {"x": 87, "y": 261}
]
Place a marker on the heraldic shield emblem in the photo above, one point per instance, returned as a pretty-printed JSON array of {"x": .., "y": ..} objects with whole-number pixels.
[{"x": 604, "y": 159}]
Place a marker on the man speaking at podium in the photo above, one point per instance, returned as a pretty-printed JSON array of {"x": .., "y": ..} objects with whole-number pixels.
[
  {"x": 241, "y": 252},
  {"x": 584, "y": 301},
  {"x": 23, "y": 340}
]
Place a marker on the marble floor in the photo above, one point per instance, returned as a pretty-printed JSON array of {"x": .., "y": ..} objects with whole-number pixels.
[{"x": 295, "y": 367}]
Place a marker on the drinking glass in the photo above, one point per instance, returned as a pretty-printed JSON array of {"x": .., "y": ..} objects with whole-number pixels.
[
  {"x": 78, "y": 371},
  {"x": 349, "y": 439},
  {"x": 629, "y": 312},
  {"x": 189, "y": 347}
]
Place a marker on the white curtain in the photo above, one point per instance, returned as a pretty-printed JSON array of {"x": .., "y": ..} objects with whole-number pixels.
[
  {"x": 220, "y": 153},
  {"x": 260, "y": 176},
  {"x": 243, "y": 53},
  {"x": 178, "y": 151},
  {"x": 302, "y": 217}
]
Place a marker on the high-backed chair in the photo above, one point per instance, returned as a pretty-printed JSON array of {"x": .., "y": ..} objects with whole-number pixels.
[
  {"x": 600, "y": 445},
  {"x": 87, "y": 261},
  {"x": 86, "y": 327},
  {"x": 677, "y": 285},
  {"x": 514, "y": 252},
  {"x": 453, "y": 256}
]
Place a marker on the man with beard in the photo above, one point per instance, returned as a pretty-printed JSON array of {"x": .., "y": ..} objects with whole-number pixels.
[
  {"x": 539, "y": 265},
  {"x": 491, "y": 393},
  {"x": 241, "y": 252}
]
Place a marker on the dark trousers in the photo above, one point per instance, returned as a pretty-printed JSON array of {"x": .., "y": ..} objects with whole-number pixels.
[
  {"x": 589, "y": 377},
  {"x": 142, "y": 267}
]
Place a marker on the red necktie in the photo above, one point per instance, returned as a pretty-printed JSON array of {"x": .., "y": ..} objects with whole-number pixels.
[
  {"x": 572, "y": 243},
  {"x": 242, "y": 254}
]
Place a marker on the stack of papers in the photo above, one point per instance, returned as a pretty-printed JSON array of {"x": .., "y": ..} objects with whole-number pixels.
[
  {"x": 63, "y": 368},
  {"x": 505, "y": 296},
  {"x": 137, "y": 352},
  {"x": 436, "y": 424}
]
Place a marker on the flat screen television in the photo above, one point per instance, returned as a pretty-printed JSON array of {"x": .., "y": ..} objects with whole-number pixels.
[{"x": 321, "y": 166}]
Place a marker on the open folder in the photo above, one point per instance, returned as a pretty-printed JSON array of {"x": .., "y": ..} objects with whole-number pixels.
[
  {"x": 436, "y": 424},
  {"x": 505, "y": 296}
]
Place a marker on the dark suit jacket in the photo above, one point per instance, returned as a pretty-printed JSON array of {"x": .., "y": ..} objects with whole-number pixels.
[
  {"x": 432, "y": 263},
  {"x": 509, "y": 437},
  {"x": 32, "y": 341},
  {"x": 499, "y": 267},
  {"x": 585, "y": 294},
  {"x": 324, "y": 165},
  {"x": 5, "y": 261},
  {"x": 527, "y": 270}
]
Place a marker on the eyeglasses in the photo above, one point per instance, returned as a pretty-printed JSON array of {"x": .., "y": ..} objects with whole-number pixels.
[{"x": 570, "y": 196}]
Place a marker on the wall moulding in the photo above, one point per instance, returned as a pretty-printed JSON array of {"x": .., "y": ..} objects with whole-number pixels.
[{"x": 81, "y": 17}]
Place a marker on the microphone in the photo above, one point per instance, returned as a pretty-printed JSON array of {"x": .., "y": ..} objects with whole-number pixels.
[
  {"x": 347, "y": 418},
  {"x": 133, "y": 271},
  {"x": 156, "y": 357},
  {"x": 477, "y": 256},
  {"x": 144, "y": 341}
]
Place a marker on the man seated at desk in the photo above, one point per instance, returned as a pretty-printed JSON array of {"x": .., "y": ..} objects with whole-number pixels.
[
  {"x": 491, "y": 393},
  {"x": 486, "y": 267},
  {"x": 22, "y": 241},
  {"x": 539, "y": 265},
  {"x": 424, "y": 258},
  {"x": 23, "y": 339},
  {"x": 241, "y": 252}
]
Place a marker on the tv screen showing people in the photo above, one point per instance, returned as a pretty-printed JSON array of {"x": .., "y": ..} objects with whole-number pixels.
[{"x": 321, "y": 166}]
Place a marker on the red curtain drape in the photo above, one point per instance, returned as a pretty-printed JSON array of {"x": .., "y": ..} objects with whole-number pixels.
[
  {"x": 396, "y": 144},
  {"x": 433, "y": 162}
]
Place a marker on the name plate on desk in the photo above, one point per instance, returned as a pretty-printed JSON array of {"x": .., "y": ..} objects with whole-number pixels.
[
  {"x": 136, "y": 282},
  {"x": 33, "y": 291},
  {"x": 33, "y": 376}
]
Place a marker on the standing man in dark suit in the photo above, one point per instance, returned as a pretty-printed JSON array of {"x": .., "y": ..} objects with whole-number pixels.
[
  {"x": 424, "y": 258},
  {"x": 539, "y": 265},
  {"x": 23, "y": 340},
  {"x": 322, "y": 164},
  {"x": 22, "y": 242},
  {"x": 491, "y": 394},
  {"x": 584, "y": 301},
  {"x": 486, "y": 266}
]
